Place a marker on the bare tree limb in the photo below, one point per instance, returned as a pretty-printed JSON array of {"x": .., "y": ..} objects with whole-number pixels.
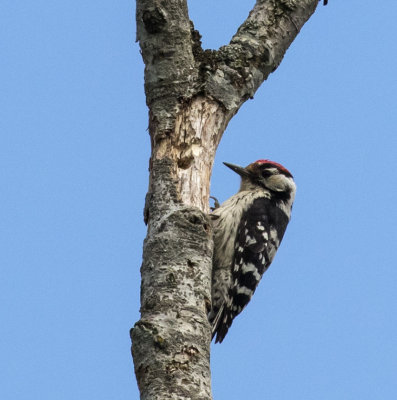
[{"x": 237, "y": 70}]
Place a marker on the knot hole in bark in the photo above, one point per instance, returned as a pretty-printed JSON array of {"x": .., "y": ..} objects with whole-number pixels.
[
  {"x": 197, "y": 218},
  {"x": 154, "y": 20},
  {"x": 185, "y": 161}
]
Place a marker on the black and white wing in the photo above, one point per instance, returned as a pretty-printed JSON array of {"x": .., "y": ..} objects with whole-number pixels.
[{"x": 258, "y": 237}]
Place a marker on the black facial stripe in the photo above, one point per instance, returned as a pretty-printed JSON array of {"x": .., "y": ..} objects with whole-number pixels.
[{"x": 283, "y": 196}]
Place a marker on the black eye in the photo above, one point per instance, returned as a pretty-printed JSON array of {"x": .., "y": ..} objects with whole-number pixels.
[{"x": 266, "y": 173}]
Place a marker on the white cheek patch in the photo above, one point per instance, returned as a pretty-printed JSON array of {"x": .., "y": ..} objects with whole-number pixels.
[{"x": 277, "y": 183}]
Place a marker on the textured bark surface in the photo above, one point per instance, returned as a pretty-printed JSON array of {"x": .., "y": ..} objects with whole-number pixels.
[{"x": 192, "y": 94}]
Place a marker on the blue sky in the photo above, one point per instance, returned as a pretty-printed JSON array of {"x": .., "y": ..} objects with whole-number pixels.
[{"x": 73, "y": 167}]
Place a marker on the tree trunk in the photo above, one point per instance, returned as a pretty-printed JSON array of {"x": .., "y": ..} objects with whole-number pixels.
[{"x": 192, "y": 94}]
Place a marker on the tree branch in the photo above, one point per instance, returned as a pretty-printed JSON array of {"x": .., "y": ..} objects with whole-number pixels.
[
  {"x": 164, "y": 35},
  {"x": 236, "y": 71}
]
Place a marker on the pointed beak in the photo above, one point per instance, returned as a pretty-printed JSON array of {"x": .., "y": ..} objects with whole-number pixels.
[{"x": 237, "y": 169}]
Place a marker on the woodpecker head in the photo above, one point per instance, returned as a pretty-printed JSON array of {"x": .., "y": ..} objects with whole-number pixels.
[{"x": 266, "y": 174}]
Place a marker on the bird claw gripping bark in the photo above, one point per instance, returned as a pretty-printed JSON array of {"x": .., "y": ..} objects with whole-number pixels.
[{"x": 216, "y": 203}]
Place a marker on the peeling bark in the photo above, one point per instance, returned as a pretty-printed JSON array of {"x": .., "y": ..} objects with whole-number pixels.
[{"x": 192, "y": 94}]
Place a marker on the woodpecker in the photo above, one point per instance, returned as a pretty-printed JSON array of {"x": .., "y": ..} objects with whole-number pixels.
[{"x": 248, "y": 229}]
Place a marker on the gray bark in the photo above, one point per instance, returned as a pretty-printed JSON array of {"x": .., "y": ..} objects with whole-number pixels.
[{"x": 192, "y": 94}]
